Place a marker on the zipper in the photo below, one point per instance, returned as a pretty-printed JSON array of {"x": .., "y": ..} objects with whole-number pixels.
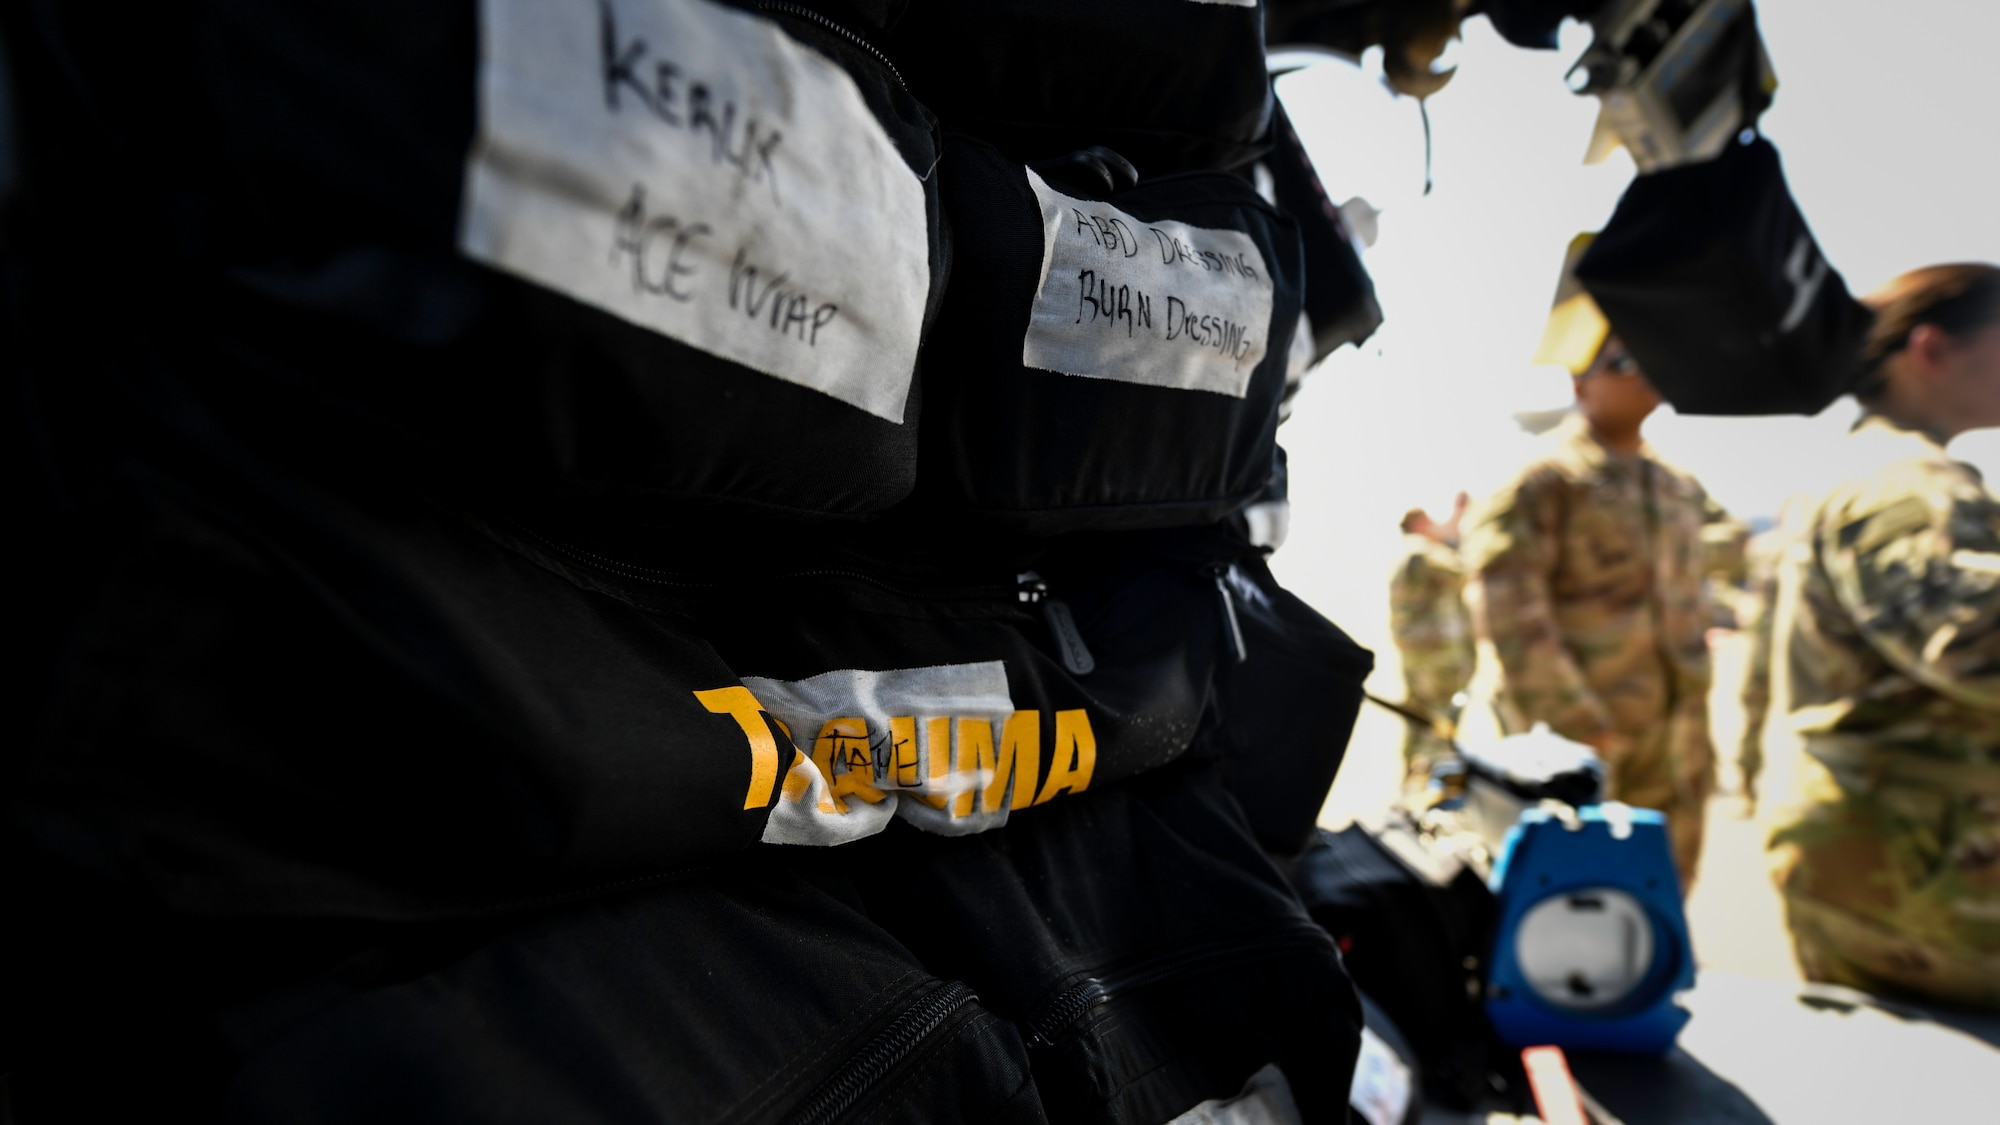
[
  {"x": 1075, "y": 655},
  {"x": 805, "y": 13},
  {"x": 880, "y": 1055},
  {"x": 1220, "y": 571},
  {"x": 1069, "y": 1006}
]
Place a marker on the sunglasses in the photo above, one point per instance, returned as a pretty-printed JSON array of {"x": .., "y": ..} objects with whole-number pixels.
[{"x": 1621, "y": 365}]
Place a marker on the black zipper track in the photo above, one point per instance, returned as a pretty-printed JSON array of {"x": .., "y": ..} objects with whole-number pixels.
[
  {"x": 805, "y": 13},
  {"x": 890, "y": 1046},
  {"x": 1076, "y": 1001}
]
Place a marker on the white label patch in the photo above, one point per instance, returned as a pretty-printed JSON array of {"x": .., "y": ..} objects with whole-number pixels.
[
  {"x": 1383, "y": 1084},
  {"x": 689, "y": 168},
  {"x": 1160, "y": 304},
  {"x": 941, "y": 747}
]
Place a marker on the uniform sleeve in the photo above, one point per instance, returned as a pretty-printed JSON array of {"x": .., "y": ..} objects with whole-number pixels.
[
  {"x": 1510, "y": 557},
  {"x": 1920, "y": 577},
  {"x": 1725, "y": 543}
]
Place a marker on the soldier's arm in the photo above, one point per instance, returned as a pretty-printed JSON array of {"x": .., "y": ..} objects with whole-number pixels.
[
  {"x": 1756, "y": 695},
  {"x": 1408, "y": 594},
  {"x": 1725, "y": 543},
  {"x": 1510, "y": 559},
  {"x": 1919, "y": 575}
]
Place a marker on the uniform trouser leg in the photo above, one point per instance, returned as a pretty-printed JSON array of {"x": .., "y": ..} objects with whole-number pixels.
[{"x": 1671, "y": 768}]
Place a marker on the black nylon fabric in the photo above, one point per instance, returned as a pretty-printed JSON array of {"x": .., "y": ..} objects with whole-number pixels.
[
  {"x": 302, "y": 169},
  {"x": 1032, "y": 452},
  {"x": 1282, "y": 707},
  {"x": 289, "y": 701},
  {"x": 1285, "y": 713},
  {"x": 1150, "y": 953},
  {"x": 1340, "y": 305},
  {"x": 712, "y": 1000},
  {"x": 1711, "y": 277},
  {"x": 1171, "y": 87},
  {"x": 1416, "y": 947}
]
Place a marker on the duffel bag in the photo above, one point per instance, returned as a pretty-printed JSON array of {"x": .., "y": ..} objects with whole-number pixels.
[
  {"x": 1103, "y": 361},
  {"x": 664, "y": 252}
]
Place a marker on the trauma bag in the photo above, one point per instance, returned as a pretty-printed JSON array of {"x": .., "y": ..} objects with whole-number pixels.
[
  {"x": 1709, "y": 275},
  {"x": 1171, "y": 87},
  {"x": 1151, "y": 955},
  {"x": 286, "y": 700},
  {"x": 672, "y": 253},
  {"x": 1103, "y": 362}
]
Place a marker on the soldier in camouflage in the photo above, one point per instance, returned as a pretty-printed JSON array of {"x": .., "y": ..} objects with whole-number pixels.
[
  {"x": 1585, "y": 585},
  {"x": 1888, "y": 646},
  {"x": 1433, "y": 636}
]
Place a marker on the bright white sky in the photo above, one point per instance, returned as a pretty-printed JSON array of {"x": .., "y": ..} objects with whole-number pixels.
[{"x": 1886, "y": 116}]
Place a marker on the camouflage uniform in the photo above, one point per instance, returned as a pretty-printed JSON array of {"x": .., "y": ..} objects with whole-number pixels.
[
  {"x": 1890, "y": 635},
  {"x": 1725, "y": 566},
  {"x": 1758, "y": 618},
  {"x": 1427, "y": 617},
  {"x": 1586, "y": 592}
]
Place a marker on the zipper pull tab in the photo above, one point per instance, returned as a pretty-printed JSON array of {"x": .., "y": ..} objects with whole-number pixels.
[
  {"x": 1220, "y": 571},
  {"x": 1074, "y": 653}
]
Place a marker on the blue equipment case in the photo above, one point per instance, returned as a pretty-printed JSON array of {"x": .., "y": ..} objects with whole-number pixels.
[{"x": 1592, "y": 947}]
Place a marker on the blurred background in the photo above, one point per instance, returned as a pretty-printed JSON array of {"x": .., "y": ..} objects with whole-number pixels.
[{"x": 1887, "y": 127}]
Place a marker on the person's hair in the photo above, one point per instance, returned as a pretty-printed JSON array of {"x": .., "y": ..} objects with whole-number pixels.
[
  {"x": 1961, "y": 298},
  {"x": 1413, "y": 517}
]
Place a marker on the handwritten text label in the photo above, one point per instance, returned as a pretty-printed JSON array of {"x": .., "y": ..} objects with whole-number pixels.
[
  {"x": 690, "y": 169},
  {"x": 1164, "y": 304}
]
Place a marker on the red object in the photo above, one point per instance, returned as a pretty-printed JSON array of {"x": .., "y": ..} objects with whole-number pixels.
[{"x": 1556, "y": 1098}]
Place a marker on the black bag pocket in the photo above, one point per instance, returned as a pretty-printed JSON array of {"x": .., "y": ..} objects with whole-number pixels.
[
  {"x": 1151, "y": 955},
  {"x": 697, "y": 1002},
  {"x": 1104, "y": 363},
  {"x": 660, "y": 251},
  {"x": 1286, "y": 707},
  {"x": 1708, "y": 273},
  {"x": 1170, "y": 87}
]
